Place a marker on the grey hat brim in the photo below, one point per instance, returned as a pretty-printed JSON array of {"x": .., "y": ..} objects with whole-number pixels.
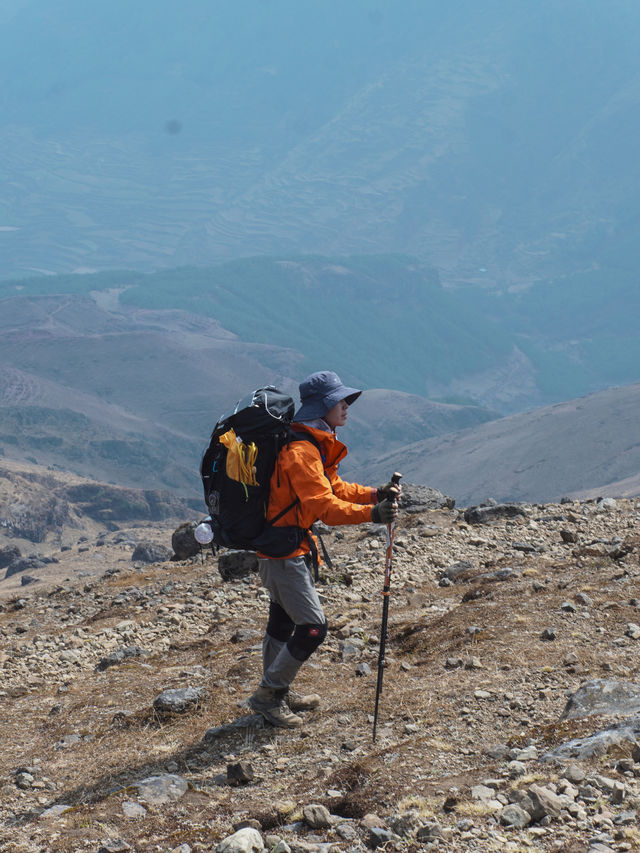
[{"x": 317, "y": 408}]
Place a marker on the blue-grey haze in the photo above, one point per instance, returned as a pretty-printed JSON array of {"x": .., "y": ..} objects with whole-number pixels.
[{"x": 494, "y": 142}]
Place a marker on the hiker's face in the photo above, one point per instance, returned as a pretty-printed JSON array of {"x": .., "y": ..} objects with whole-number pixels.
[{"x": 337, "y": 416}]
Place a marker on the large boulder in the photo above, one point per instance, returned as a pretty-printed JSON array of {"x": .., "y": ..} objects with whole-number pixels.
[
  {"x": 603, "y": 696},
  {"x": 486, "y": 513},
  {"x": 149, "y": 552},
  {"x": 416, "y": 499},
  {"x": 183, "y": 541},
  {"x": 8, "y": 554},
  {"x": 23, "y": 564}
]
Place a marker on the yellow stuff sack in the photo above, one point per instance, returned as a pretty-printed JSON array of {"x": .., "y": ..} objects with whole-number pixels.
[{"x": 241, "y": 458}]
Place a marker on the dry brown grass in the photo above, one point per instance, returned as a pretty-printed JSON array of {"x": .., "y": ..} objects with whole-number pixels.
[{"x": 432, "y": 728}]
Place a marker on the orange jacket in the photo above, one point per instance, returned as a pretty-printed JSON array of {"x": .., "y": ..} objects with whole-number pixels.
[{"x": 303, "y": 472}]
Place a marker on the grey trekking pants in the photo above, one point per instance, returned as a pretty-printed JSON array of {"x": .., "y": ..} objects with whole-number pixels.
[{"x": 297, "y": 623}]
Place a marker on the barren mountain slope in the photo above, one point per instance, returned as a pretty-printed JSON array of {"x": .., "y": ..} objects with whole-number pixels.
[
  {"x": 491, "y": 626},
  {"x": 583, "y": 444},
  {"x": 130, "y": 395}
]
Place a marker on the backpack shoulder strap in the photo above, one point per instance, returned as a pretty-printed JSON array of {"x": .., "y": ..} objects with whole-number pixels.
[{"x": 304, "y": 436}]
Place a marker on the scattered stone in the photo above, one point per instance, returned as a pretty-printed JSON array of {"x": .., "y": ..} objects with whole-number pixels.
[
  {"x": 457, "y": 570},
  {"x": 132, "y": 810},
  {"x": 574, "y": 774},
  {"x": 245, "y": 635},
  {"x": 633, "y": 631},
  {"x": 482, "y": 793},
  {"x": 149, "y": 552},
  {"x": 317, "y": 816},
  {"x": 524, "y": 547},
  {"x": 378, "y": 837},
  {"x": 164, "y": 788},
  {"x": 516, "y": 769},
  {"x": 406, "y": 825},
  {"x": 584, "y": 599},
  {"x": 625, "y": 818},
  {"x": 114, "y": 845},
  {"x": 429, "y": 832},
  {"x": 67, "y": 741},
  {"x": 55, "y": 811},
  {"x": 24, "y": 780},
  {"x": 122, "y": 718},
  {"x": 119, "y": 656},
  {"x": 569, "y": 536},
  {"x": 240, "y": 773},
  {"x": 235, "y": 565},
  {"x": 607, "y": 504},
  {"x": 250, "y": 822},
  {"x": 482, "y": 694},
  {"x": 498, "y": 576},
  {"x": 597, "y": 744},
  {"x": 363, "y": 669},
  {"x": 178, "y": 700},
  {"x": 545, "y": 802},
  {"x": 498, "y": 752},
  {"x": 346, "y": 831},
  {"x": 247, "y": 840},
  {"x": 548, "y": 634},
  {"x": 514, "y": 815},
  {"x": 350, "y": 649}
]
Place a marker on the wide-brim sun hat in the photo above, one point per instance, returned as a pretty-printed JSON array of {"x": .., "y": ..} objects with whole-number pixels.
[{"x": 320, "y": 392}]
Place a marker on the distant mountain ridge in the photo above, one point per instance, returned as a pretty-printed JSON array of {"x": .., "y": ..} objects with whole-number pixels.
[
  {"x": 129, "y": 395},
  {"x": 503, "y": 351},
  {"x": 586, "y": 447},
  {"x": 120, "y": 377}
]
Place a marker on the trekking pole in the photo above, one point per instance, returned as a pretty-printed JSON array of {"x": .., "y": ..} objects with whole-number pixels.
[{"x": 395, "y": 479}]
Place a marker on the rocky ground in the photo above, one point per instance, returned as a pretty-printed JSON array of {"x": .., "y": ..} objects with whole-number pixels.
[{"x": 509, "y": 718}]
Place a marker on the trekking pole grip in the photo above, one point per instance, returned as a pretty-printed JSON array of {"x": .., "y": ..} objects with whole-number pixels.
[{"x": 395, "y": 479}]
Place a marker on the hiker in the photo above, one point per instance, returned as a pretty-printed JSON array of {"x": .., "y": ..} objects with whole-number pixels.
[{"x": 305, "y": 482}]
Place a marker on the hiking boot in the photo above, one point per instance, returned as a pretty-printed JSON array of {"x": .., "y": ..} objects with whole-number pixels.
[
  {"x": 273, "y": 707},
  {"x": 302, "y": 701}
]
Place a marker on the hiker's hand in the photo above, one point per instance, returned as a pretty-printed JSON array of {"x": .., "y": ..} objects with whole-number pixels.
[
  {"x": 385, "y": 512},
  {"x": 389, "y": 490}
]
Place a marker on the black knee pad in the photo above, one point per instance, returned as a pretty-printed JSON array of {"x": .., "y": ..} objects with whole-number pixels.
[
  {"x": 279, "y": 625},
  {"x": 306, "y": 639}
]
